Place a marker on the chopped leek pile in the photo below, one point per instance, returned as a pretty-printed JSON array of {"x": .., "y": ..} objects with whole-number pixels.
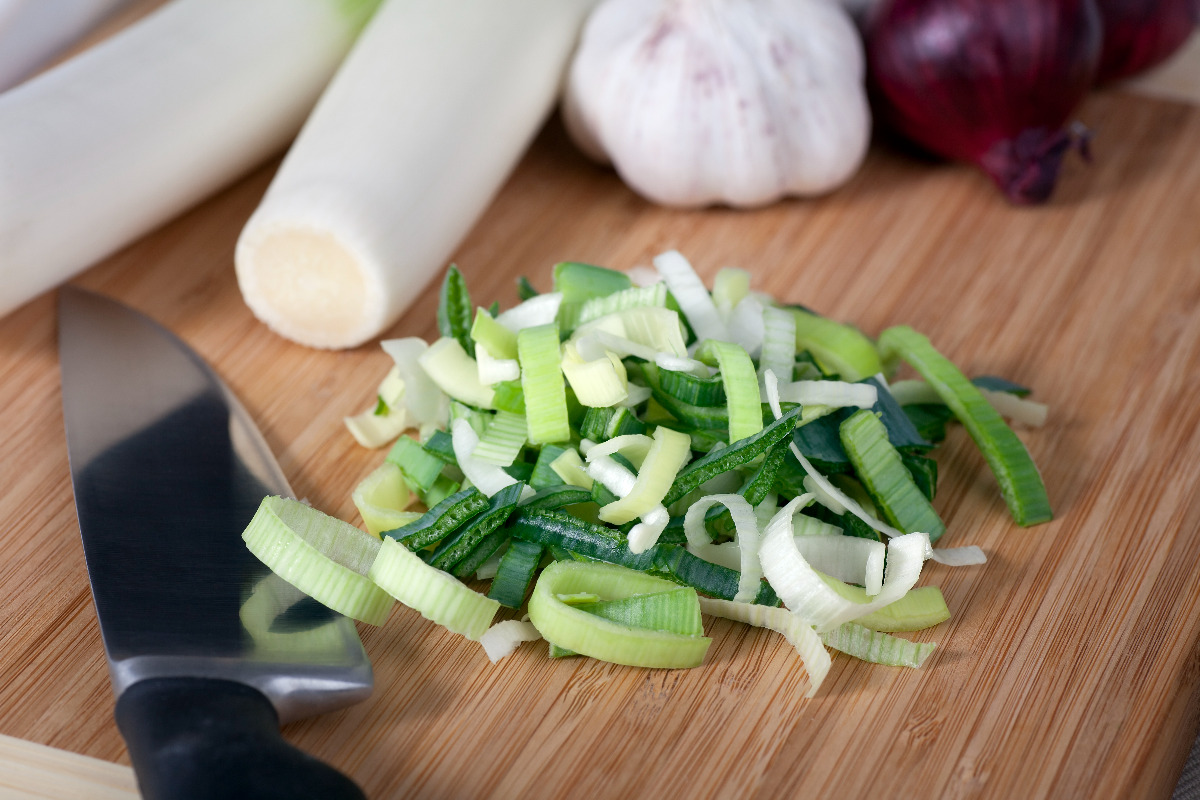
[{"x": 616, "y": 460}]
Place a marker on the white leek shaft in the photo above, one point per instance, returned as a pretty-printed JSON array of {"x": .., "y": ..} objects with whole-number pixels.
[
  {"x": 416, "y": 133},
  {"x": 34, "y": 32},
  {"x": 103, "y": 148}
]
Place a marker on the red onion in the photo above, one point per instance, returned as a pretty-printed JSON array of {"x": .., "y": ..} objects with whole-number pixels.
[
  {"x": 1139, "y": 34},
  {"x": 984, "y": 81}
]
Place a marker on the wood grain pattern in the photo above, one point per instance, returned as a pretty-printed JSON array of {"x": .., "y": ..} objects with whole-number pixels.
[
  {"x": 31, "y": 771},
  {"x": 1070, "y": 668}
]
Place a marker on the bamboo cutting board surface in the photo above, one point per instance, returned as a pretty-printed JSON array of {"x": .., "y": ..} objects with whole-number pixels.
[{"x": 1070, "y": 667}]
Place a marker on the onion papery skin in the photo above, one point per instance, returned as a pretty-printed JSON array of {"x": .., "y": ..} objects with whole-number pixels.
[
  {"x": 991, "y": 83},
  {"x": 1140, "y": 34}
]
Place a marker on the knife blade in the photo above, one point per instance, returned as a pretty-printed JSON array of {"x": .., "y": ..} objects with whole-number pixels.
[{"x": 208, "y": 651}]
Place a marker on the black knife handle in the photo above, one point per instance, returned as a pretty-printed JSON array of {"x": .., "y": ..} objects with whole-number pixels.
[{"x": 202, "y": 738}]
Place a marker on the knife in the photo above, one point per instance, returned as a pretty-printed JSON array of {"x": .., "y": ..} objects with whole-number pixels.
[{"x": 208, "y": 651}]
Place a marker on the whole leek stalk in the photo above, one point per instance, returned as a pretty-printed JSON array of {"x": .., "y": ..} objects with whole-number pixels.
[
  {"x": 112, "y": 143},
  {"x": 422, "y": 124}
]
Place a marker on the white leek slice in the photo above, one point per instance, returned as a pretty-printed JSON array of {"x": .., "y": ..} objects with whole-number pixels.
[
  {"x": 676, "y": 364},
  {"x": 838, "y": 394},
  {"x": 799, "y": 635},
  {"x": 745, "y": 324},
  {"x": 634, "y": 446},
  {"x": 847, "y": 558},
  {"x": 456, "y": 373},
  {"x": 539, "y": 310},
  {"x": 877, "y": 647},
  {"x": 809, "y": 597},
  {"x": 1018, "y": 409},
  {"x": 689, "y": 292},
  {"x": 637, "y": 394},
  {"x": 644, "y": 535},
  {"x": 389, "y": 174},
  {"x": 643, "y": 276},
  {"x": 382, "y": 497},
  {"x": 612, "y": 476},
  {"x": 746, "y": 527},
  {"x": 427, "y": 404},
  {"x": 490, "y": 568},
  {"x": 320, "y": 555},
  {"x": 438, "y": 596},
  {"x": 143, "y": 125},
  {"x": 501, "y": 640},
  {"x": 494, "y": 370}
]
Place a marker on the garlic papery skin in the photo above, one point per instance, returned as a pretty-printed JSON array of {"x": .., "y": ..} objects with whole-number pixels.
[{"x": 735, "y": 102}]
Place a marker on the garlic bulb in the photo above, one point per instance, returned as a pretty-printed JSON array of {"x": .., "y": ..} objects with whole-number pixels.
[{"x": 741, "y": 102}]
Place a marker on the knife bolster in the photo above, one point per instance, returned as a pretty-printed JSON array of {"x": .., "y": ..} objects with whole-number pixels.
[{"x": 203, "y": 738}]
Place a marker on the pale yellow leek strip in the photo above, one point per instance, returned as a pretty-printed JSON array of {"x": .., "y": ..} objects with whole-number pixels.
[
  {"x": 569, "y": 466},
  {"x": 382, "y": 497},
  {"x": 799, "y": 635},
  {"x": 669, "y": 452}
]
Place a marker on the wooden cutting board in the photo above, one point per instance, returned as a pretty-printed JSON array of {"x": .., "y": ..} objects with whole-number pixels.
[{"x": 1070, "y": 667}]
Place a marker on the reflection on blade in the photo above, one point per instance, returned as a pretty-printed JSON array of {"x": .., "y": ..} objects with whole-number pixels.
[{"x": 167, "y": 470}]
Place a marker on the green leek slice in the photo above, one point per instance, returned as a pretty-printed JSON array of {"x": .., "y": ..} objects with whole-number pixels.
[
  {"x": 320, "y": 555},
  {"x": 878, "y": 648},
  {"x": 672, "y": 611},
  {"x": 436, "y": 595},
  {"x": 464, "y": 540},
  {"x": 437, "y": 522},
  {"x": 517, "y": 566},
  {"x": 542, "y": 383},
  {"x": 454, "y": 309},
  {"x": 498, "y": 340},
  {"x": 779, "y": 344},
  {"x": 885, "y": 477},
  {"x": 420, "y": 467},
  {"x": 654, "y": 296},
  {"x": 727, "y": 458},
  {"x": 594, "y": 636},
  {"x": 838, "y": 349},
  {"x": 580, "y": 283},
  {"x": 743, "y": 401},
  {"x": 503, "y": 440},
  {"x": 922, "y": 607},
  {"x": 1020, "y": 482}
]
